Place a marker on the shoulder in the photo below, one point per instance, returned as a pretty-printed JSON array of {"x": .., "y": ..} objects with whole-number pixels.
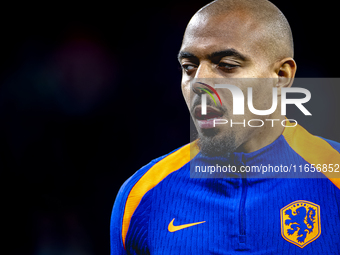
[
  {"x": 320, "y": 152},
  {"x": 129, "y": 184},
  {"x": 151, "y": 174},
  {"x": 145, "y": 179},
  {"x": 157, "y": 169},
  {"x": 305, "y": 143},
  {"x": 335, "y": 145}
]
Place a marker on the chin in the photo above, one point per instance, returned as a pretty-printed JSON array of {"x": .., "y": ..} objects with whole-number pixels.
[{"x": 216, "y": 143}]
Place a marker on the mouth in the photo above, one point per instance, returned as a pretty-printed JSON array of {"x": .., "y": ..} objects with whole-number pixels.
[{"x": 207, "y": 121}]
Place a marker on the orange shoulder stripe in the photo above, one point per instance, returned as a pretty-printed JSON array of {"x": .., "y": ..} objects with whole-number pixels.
[
  {"x": 152, "y": 177},
  {"x": 313, "y": 149}
]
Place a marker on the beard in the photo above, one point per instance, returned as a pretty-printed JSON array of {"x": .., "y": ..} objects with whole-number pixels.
[{"x": 213, "y": 143}]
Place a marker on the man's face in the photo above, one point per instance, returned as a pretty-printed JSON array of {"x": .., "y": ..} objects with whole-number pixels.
[{"x": 225, "y": 50}]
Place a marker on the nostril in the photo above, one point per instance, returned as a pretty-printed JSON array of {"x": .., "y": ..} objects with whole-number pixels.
[{"x": 196, "y": 88}]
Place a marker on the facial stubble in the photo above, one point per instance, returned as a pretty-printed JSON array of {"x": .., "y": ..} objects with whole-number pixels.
[{"x": 216, "y": 143}]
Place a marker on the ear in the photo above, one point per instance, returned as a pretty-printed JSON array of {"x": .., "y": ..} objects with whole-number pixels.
[{"x": 285, "y": 70}]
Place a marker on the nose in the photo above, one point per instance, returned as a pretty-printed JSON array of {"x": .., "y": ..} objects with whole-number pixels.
[
  {"x": 203, "y": 73},
  {"x": 205, "y": 70}
]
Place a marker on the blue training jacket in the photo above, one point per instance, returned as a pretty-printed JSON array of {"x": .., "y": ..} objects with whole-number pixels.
[{"x": 168, "y": 207}]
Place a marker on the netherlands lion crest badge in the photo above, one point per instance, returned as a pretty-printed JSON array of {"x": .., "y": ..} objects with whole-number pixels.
[{"x": 300, "y": 222}]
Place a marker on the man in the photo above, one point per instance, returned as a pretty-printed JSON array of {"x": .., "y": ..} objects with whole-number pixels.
[{"x": 170, "y": 207}]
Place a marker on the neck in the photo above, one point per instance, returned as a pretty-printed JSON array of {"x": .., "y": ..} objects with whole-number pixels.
[{"x": 263, "y": 136}]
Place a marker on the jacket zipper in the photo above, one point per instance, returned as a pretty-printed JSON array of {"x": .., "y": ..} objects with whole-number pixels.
[{"x": 242, "y": 212}]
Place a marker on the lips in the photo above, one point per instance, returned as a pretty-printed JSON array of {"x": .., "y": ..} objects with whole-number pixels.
[
  {"x": 207, "y": 121},
  {"x": 212, "y": 113}
]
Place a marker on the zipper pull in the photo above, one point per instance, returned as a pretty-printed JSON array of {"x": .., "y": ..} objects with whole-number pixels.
[{"x": 243, "y": 159}]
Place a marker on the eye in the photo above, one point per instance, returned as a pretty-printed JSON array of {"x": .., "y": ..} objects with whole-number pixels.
[
  {"x": 188, "y": 67},
  {"x": 227, "y": 66}
]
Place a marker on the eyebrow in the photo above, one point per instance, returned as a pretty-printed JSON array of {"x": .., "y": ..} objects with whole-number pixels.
[
  {"x": 223, "y": 53},
  {"x": 185, "y": 54}
]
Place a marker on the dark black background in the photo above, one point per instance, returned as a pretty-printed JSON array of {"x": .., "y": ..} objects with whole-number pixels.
[{"x": 90, "y": 92}]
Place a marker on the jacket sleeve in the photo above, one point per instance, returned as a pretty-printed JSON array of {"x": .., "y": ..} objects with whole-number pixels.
[{"x": 116, "y": 240}]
